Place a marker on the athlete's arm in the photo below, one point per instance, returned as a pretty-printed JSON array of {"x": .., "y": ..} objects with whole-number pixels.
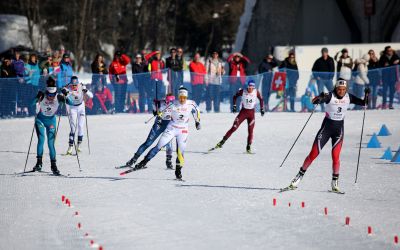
[
  {"x": 356, "y": 100},
  {"x": 239, "y": 93}
]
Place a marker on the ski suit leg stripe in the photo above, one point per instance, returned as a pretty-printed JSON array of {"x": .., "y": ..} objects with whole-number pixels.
[
  {"x": 337, "y": 143},
  {"x": 181, "y": 139},
  {"x": 39, "y": 127},
  {"x": 238, "y": 120},
  {"x": 81, "y": 119},
  {"x": 51, "y": 132},
  {"x": 73, "y": 114},
  {"x": 251, "y": 122},
  {"x": 321, "y": 139}
]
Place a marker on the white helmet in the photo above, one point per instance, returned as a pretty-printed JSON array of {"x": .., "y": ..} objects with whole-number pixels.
[{"x": 341, "y": 82}]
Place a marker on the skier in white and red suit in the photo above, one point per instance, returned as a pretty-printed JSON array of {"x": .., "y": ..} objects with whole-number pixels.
[
  {"x": 247, "y": 112},
  {"x": 337, "y": 102}
]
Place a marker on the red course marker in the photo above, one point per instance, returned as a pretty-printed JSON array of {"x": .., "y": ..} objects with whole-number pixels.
[
  {"x": 396, "y": 239},
  {"x": 79, "y": 225},
  {"x": 63, "y": 198},
  {"x": 289, "y": 204},
  {"x": 274, "y": 202},
  {"x": 303, "y": 204},
  {"x": 369, "y": 230},
  {"x": 91, "y": 242},
  {"x": 347, "y": 220},
  {"x": 76, "y": 213},
  {"x": 326, "y": 211},
  {"x": 100, "y": 248}
]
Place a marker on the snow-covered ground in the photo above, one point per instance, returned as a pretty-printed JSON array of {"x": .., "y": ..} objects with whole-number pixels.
[{"x": 226, "y": 201}]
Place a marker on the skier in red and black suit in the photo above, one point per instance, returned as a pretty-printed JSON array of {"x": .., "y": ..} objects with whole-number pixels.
[
  {"x": 337, "y": 102},
  {"x": 247, "y": 112}
]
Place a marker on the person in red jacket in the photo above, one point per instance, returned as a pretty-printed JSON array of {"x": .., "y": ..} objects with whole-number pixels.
[
  {"x": 156, "y": 66},
  {"x": 119, "y": 79},
  {"x": 197, "y": 72},
  {"x": 102, "y": 100},
  {"x": 237, "y": 72}
]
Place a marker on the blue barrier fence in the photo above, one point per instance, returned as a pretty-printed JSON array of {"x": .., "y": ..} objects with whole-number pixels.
[{"x": 136, "y": 92}]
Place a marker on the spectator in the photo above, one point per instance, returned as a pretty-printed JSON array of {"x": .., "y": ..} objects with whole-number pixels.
[
  {"x": 99, "y": 69},
  {"x": 388, "y": 60},
  {"x": 142, "y": 83},
  {"x": 175, "y": 75},
  {"x": 289, "y": 65},
  {"x": 179, "y": 54},
  {"x": 374, "y": 78},
  {"x": 8, "y": 87},
  {"x": 102, "y": 100},
  {"x": 32, "y": 77},
  {"x": 19, "y": 65},
  {"x": 306, "y": 101},
  {"x": 312, "y": 85},
  {"x": 237, "y": 72},
  {"x": 344, "y": 64},
  {"x": 119, "y": 79},
  {"x": 265, "y": 68},
  {"x": 361, "y": 78},
  {"x": 215, "y": 70},
  {"x": 156, "y": 65},
  {"x": 66, "y": 71},
  {"x": 45, "y": 65},
  {"x": 197, "y": 73},
  {"x": 323, "y": 71}
]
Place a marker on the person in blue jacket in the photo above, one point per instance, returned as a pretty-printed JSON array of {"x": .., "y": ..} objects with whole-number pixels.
[{"x": 66, "y": 71}]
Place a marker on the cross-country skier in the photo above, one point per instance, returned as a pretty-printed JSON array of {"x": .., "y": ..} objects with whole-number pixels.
[
  {"x": 163, "y": 117},
  {"x": 45, "y": 123},
  {"x": 75, "y": 93},
  {"x": 337, "y": 102},
  {"x": 247, "y": 112},
  {"x": 177, "y": 128}
]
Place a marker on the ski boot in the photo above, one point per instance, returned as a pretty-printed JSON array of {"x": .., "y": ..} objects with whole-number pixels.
[
  {"x": 335, "y": 184},
  {"x": 54, "y": 167},
  {"x": 79, "y": 147},
  {"x": 248, "y": 149},
  {"x": 220, "y": 144},
  {"x": 142, "y": 164},
  {"x": 132, "y": 161},
  {"x": 168, "y": 162},
  {"x": 69, "y": 150},
  {"x": 178, "y": 173},
  {"x": 39, "y": 165},
  {"x": 295, "y": 182}
]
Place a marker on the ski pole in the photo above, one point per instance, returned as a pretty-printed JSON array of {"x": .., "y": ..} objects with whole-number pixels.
[
  {"x": 362, "y": 131},
  {"x": 312, "y": 112},
  {"x": 87, "y": 133},
  {"x": 29, "y": 148},
  {"x": 58, "y": 123},
  {"x": 76, "y": 125}
]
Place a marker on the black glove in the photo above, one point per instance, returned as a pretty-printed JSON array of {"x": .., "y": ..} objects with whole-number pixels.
[
  {"x": 154, "y": 112},
  {"x": 64, "y": 91},
  {"x": 262, "y": 112},
  {"x": 40, "y": 95},
  {"x": 84, "y": 91},
  {"x": 318, "y": 99},
  {"x": 367, "y": 91},
  {"x": 234, "y": 109},
  {"x": 198, "y": 127}
]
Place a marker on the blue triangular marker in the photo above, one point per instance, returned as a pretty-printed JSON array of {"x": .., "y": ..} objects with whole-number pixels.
[
  {"x": 374, "y": 142},
  {"x": 384, "y": 131},
  {"x": 396, "y": 157},
  {"x": 387, "y": 155}
]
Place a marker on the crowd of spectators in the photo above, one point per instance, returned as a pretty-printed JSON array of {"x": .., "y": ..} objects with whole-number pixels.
[{"x": 23, "y": 74}]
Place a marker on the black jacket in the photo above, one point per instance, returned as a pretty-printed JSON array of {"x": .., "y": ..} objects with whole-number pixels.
[
  {"x": 388, "y": 71},
  {"x": 291, "y": 71},
  {"x": 7, "y": 71},
  {"x": 139, "y": 68},
  {"x": 266, "y": 66},
  {"x": 174, "y": 64},
  {"x": 321, "y": 65},
  {"x": 97, "y": 69}
]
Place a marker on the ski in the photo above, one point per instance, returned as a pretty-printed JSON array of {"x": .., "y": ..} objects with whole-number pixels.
[
  {"x": 288, "y": 188},
  {"x": 131, "y": 170},
  {"x": 180, "y": 179},
  {"x": 336, "y": 192},
  {"x": 249, "y": 153},
  {"x": 122, "y": 166}
]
